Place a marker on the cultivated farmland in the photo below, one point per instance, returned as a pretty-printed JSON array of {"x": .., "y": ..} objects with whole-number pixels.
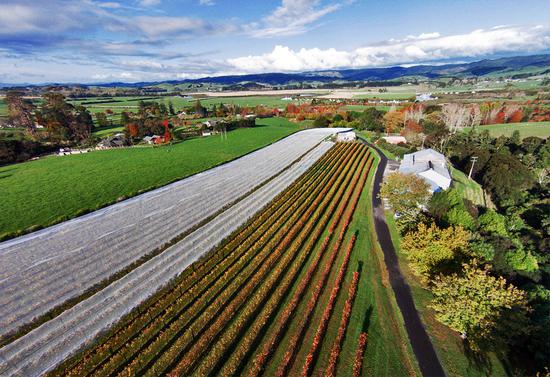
[
  {"x": 257, "y": 295},
  {"x": 86, "y": 251},
  {"x": 53, "y": 189}
]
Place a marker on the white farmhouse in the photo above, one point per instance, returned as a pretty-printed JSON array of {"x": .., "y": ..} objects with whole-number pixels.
[
  {"x": 346, "y": 136},
  {"x": 429, "y": 165}
]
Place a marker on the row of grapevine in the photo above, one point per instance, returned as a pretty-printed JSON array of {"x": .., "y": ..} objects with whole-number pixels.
[
  {"x": 346, "y": 313},
  {"x": 256, "y": 327},
  {"x": 202, "y": 308},
  {"x": 295, "y": 340},
  {"x": 303, "y": 228},
  {"x": 199, "y": 275},
  {"x": 359, "y": 354},
  {"x": 321, "y": 329}
]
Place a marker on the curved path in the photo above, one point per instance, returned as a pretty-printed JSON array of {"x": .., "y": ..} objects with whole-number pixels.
[{"x": 421, "y": 344}]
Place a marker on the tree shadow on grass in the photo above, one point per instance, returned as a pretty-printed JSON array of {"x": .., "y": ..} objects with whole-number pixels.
[{"x": 478, "y": 359}]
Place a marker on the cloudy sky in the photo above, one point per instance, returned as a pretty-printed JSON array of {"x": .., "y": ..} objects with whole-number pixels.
[{"x": 134, "y": 40}]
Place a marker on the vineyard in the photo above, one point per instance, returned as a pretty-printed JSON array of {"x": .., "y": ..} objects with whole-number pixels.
[
  {"x": 88, "y": 251},
  {"x": 283, "y": 295}
]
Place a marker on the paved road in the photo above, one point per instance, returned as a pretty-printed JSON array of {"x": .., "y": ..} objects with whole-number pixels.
[{"x": 420, "y": 341}]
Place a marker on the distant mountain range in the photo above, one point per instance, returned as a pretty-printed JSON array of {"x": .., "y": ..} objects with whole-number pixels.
[
  {"x": 521, "y": 66},
  {"x": 502, "y": 66},
  {"x": 515, "y": 67}
]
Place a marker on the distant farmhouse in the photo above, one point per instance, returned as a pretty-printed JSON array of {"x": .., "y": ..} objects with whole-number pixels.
[
  {"x": 421, "y": 97},
  {"x": 429, "y": 165},
  {"x": 115, "y": 141}
]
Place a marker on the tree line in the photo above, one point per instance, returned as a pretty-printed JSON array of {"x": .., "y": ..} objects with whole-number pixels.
[{"x": 488, "y": 269}]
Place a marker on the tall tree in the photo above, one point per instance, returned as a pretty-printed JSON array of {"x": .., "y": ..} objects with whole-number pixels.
[
  {"x": 432, "y": 250},
  {"x": 200, "y": 110},
  {"x": 483, "y": 309},
  {"x": 407, "y": 194},
  {"x": 20, "y": 111},
  {"x": 171, "y": 108}
]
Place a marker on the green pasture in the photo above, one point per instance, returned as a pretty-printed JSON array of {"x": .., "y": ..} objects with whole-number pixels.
[
  {"x": 526, "y": 129},
  {"x": 52, "y": 189}
]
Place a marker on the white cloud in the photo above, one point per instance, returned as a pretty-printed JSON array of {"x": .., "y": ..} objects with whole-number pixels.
[
  {"x": 181, "y": 27},
  {"x": 206, "y": 2},
  {"x": 109, "y": 5},
  {"x": 412, "y": 49},
  {"x": 290, "y": 18},
  {"x": 149, "y": 3}
]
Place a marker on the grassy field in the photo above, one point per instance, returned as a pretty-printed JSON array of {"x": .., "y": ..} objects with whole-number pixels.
[
  {"x": 3, "y": 108},
  {"x": 386, "y": 95},
  {"x": 131, "y": 103},
  {"x": 448, "y": 344},
  {"x": 43, "y": 192},
  {"x": 526, "y": 129},
  {"x": 470, "y": 189}
]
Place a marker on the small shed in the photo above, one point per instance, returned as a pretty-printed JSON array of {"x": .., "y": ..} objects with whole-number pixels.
[
  {"x": 395, "y": 139},
  {"x": 346, "y": 136}
]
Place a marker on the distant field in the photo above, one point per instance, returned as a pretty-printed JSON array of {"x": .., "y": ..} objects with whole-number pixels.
[
  {"x": 118, "y": 104},
  {"x": 49, "y": 190},
  {"x": 526, "y": 129},
  {"x": 363, "y": 107},
  {"x": 386, "y": 95},
  {"x": 3, "y": 108}
]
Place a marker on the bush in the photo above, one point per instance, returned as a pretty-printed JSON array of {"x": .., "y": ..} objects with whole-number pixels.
[{"x": 12, "y": 151}]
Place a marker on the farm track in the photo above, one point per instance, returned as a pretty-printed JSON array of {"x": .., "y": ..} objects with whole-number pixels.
[
  {"x": 191, "y": 326},
  {"x": 43, "y": 270},
  {"x": 46, "y": 346}
]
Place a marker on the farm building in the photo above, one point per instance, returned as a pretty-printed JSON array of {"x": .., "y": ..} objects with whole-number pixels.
[
  {"x": 421, "y": 97},
  {"x": 114, "y": 141},
  {"x": 395, "y": 139},
  {"x": 155, "y": 139},
  {"x": 429, "y": 165},
  {"x": 346, "y": 136}
]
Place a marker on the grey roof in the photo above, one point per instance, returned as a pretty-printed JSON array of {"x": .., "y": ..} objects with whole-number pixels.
[
  {"x": 424, "y": 155},
  {"x": 425, "y": 160}
]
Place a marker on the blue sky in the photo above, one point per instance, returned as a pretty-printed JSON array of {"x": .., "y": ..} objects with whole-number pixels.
[{"x": 134, "y": 40}]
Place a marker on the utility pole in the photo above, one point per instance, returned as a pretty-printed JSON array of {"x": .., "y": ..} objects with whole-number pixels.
[{"x": 473, "y": 159}]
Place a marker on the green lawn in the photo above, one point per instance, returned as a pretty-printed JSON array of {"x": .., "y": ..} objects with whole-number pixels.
[
  {"x": 526, "y": 129},
  {"x": 448, "y": 343},
  {"x": 470, "y": 189},
  {"x": 52, "y": 189}
]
